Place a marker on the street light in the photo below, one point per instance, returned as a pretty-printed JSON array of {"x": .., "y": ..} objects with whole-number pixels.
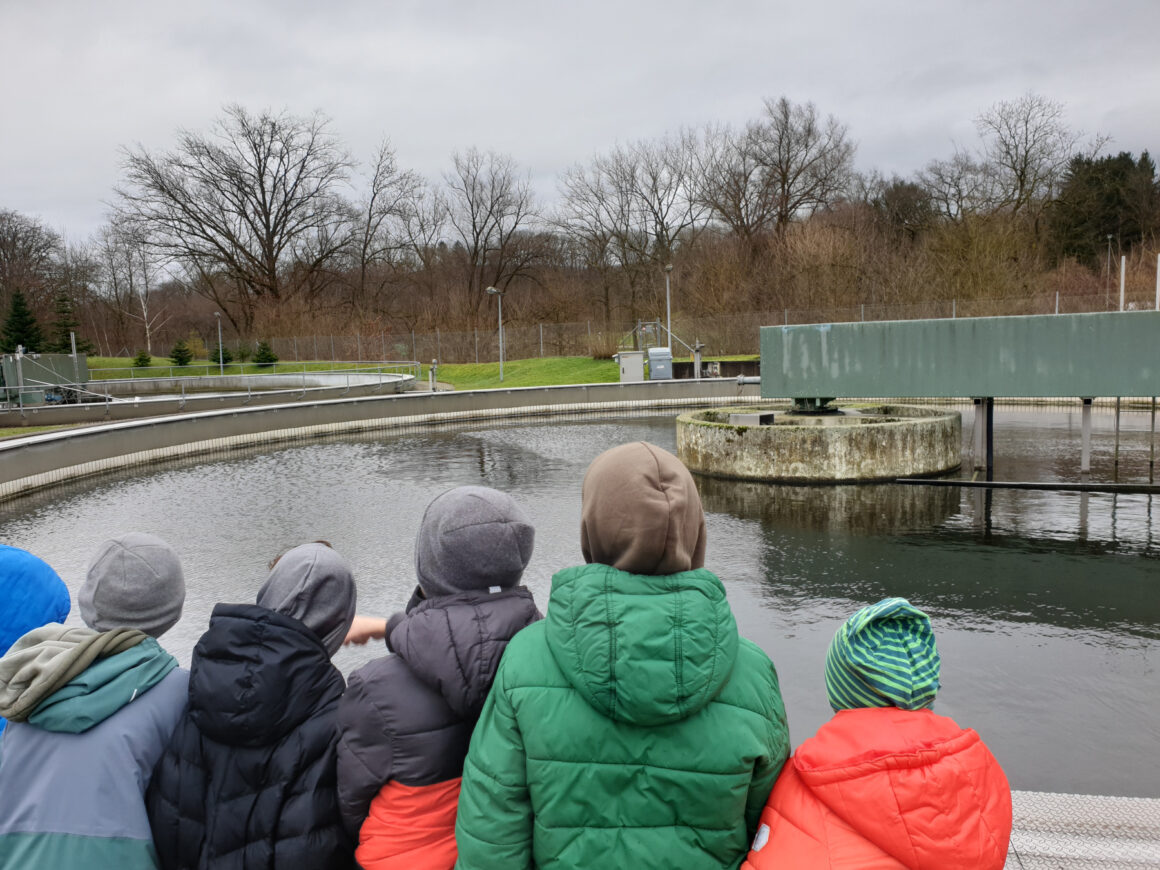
[
  {"x": 498, "y": 294},
  {"x": 221, "y": 361},
  {"x": 668, "y": 308}
]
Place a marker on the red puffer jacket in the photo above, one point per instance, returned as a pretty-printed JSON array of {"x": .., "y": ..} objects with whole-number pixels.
[{"x": 883, "y": 788}]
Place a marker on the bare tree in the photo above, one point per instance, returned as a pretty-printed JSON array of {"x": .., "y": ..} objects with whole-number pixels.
[
  {"x": 487, "y": 205},
  {"x": 734, "y": 185},
  {"x": 1027, "y": 145},
  {"x": 595, "y": 219},
  {"x": 632, "y": 210},
  {"x": 378, "y": 235},
  {"x": 252, "y": 211},
  {"x": 28, "y": 254},
  {"x": 959, "y": 187},
  {"x": 807, "y": 160},
  {"x": 129, "y": 275}
]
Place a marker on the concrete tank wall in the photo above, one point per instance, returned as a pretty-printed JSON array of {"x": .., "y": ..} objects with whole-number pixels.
[
  {"x": 35, "y": 461},
  {"x": 924, "y": 441}
]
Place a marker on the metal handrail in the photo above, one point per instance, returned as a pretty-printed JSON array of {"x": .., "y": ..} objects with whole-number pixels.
[{"x": 211, "y": 369}]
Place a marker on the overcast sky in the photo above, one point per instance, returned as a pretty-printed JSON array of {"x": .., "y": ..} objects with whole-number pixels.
[{"x": 549, "y": 83}]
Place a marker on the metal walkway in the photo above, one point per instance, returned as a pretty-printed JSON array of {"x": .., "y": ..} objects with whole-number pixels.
[{"x": 1084, "y": 832}]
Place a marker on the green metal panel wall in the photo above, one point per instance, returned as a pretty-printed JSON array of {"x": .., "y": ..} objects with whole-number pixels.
[
  {"x": 45, "y": 369},
  {"x": 1115, "y": 354}
]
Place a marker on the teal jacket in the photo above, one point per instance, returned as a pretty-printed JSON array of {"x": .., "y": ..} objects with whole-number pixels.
[
  {"x": 73, "y": 776},
  {"x": 630, "y": 728}
]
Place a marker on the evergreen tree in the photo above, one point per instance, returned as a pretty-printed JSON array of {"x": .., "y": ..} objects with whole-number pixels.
[
  {"x": 265, "y": 355},
  {"x": 64, "y": 324},
  {"x": 142, "y": 360},
  {"x": 1109, "y": 196},
  {"x": 181, "y": 355},
  {"x": 21, "y": 328},
  {"x": 220, "y": 354}
]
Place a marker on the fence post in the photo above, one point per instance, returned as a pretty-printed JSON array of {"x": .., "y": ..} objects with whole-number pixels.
[
  {"x": 1057, "y": 302},
  {"x": 1123, "y": 276},
  {"x": 954, "y": 308},
  {"x": 333, "y": 355}
]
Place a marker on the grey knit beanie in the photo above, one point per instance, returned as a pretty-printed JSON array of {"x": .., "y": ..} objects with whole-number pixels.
[
  {"x": 472, "y": 538},
  {"x": 315, "y": 585},
  {"x": 134, "y": 581}
]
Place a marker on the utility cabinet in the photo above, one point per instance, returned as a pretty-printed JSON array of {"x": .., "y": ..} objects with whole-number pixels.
[
  {"x": 660, "y": 364},
  {"x": 631, "y": 365}
]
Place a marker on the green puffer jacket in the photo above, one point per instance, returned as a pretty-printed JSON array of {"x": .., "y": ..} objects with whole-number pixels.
[{"x": 632, "y": 728}]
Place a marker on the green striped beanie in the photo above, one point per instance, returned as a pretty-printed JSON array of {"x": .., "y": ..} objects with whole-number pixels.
[{"x": 884, "y": 655}]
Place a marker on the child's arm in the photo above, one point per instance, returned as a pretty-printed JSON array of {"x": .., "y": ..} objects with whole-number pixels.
[{"x": 365, "y": 628}]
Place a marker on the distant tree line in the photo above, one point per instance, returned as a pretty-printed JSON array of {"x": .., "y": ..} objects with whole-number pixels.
[{"x": 269, "y": 220}]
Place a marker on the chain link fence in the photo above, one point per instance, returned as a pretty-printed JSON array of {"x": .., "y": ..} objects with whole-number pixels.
[{"x": 725, "y": 334}]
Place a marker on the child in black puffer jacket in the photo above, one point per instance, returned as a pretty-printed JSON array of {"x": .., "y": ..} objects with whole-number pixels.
[{"x": 249, "y": 777}]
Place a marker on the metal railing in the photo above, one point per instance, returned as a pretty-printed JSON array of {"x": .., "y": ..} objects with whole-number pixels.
[
  {"x": 202, "y": 370},
  {"x": 179, "y": 377}
]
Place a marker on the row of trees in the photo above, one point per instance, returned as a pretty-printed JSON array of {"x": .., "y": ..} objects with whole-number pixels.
[{"x": 268, "y": 220}]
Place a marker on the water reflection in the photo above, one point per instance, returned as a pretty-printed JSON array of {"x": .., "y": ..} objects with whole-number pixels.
[{"x": 878, "y": 509}]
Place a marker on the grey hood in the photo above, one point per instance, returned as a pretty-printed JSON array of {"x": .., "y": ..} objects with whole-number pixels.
[{"x": 313, "y": 584}]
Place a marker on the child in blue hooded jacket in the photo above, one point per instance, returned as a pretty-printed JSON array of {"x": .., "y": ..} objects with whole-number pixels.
[{"x": 31, "y": 595}]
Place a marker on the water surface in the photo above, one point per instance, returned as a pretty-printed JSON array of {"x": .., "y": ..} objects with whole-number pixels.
[{"x": 1046, "y": 605}]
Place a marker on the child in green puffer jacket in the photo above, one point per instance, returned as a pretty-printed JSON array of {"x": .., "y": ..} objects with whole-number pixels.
[{"x": 632, "y": 726}]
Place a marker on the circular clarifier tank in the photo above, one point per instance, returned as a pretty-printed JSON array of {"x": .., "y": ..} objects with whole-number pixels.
[{"x": 849, "y": 444}]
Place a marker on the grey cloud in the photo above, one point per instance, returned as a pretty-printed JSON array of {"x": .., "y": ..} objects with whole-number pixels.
[{"x": 550, "y": 84}]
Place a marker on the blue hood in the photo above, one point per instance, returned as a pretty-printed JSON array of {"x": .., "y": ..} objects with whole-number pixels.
[{"x": 31, "y": 595}]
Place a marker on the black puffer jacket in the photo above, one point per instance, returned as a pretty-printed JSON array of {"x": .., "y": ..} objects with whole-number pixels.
[
  {"x": 409, "y": 717},
  {"x": 248, "y": 781}
]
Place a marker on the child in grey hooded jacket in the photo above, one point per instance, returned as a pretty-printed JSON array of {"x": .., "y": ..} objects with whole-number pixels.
[{"x": 406, "y": 719}]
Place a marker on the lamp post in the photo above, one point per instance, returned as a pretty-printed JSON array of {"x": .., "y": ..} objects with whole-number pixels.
[
  {"x": 668, "y": 307},
  {"x": 221, "y": 361},
  {"x": 498, "y": 294}
]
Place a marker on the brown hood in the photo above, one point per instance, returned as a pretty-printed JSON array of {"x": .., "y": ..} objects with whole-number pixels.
[{"x": 641, "y": 512}]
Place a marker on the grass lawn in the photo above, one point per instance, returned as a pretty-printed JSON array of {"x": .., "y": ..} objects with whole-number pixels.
[
  {"x": 535, "y": 372},
  {"x": 13, "y": 431}
]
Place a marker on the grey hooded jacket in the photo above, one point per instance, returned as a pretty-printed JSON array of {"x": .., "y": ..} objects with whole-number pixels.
[{"x": 409, "y": 717}]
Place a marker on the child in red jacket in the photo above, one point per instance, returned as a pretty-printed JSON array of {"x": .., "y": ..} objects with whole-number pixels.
[{"x": 886, "y": 783}]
